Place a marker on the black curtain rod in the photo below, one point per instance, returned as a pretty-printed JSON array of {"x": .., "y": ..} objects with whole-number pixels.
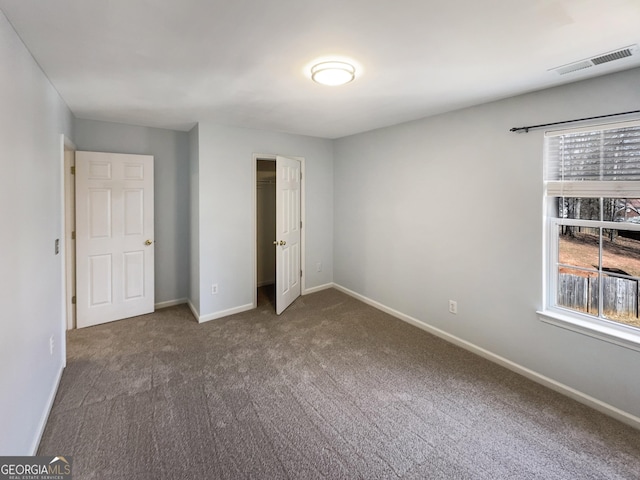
[{"x": 526, "y": 129}]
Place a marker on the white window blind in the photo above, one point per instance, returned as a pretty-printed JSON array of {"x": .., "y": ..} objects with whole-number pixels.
[{"x": 594, "y": 162}]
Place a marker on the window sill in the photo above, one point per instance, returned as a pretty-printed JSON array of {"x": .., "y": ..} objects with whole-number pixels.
[{"x": 616, "y": 334}]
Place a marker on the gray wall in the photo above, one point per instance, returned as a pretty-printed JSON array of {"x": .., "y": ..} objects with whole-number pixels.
[
  {"x": 32, "y": 119},
  {"x": 171, "y": 191},
  {"x": 450, "y": 207},
  {"x": 227, "y": 224}
]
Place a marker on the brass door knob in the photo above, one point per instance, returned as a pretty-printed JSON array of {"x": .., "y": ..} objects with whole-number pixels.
[
  {"x": 281, "y": 242},
  {"x": 148, "y": 242}
]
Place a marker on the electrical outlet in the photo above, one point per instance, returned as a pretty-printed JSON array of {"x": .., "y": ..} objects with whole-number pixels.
[
  {"x": 214, "y": 289},
  {"x": 319, "y": 266},
  {"x": 453, "y": 307},
  {"x": 51, "y": 344}
]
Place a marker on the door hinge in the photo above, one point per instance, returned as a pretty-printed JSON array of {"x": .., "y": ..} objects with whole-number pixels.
[
  {"x": 73, "y": 170},
  {"x": 73, "y": 300},
  {"x": 300, "y": 273},
  {"x": 300, "y": 223},
  {"x": 73, "y": 235}
]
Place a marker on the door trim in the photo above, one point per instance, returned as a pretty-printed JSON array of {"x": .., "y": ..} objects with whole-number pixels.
[
  {"x": 69, "y": 226},
  {"x": 254, "y": 180},
  {"x": 65, "y": 266}
]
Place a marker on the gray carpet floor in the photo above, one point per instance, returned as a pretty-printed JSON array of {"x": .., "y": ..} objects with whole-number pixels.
[{"x": 330, "y": 389}]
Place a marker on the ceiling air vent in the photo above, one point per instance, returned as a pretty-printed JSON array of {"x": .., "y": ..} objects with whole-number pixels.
[
  {"x": 610, "y": 57},
  {"x": 598, "y": 60},
  {"x": 573, "y": 67}
]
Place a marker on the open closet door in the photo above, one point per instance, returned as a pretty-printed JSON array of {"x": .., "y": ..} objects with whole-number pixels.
[{"x": 287, "y": 240}]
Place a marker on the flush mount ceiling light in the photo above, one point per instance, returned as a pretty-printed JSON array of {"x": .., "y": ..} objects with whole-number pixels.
[{"x": 333, "y": 73}]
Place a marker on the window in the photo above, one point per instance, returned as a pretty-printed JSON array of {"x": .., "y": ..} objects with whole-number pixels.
[{"x": 592, "y": 231}]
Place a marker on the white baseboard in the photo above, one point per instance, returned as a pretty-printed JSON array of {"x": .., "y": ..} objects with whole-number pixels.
[
  {"x": 244, "y": 308},
  {"x": 225, "y": 313},
  {"x": 47, "y": 411},
  {"x": 319, "y": 288},
  {"x": 170, "y": 303},
  {"x": 193, "y": 309},
  {"x": 581, "y": 397}
]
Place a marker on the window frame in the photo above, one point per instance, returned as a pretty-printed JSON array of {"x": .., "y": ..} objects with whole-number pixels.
[{"x": 596, "y": 327}]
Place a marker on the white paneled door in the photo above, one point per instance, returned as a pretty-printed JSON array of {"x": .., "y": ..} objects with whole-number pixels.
[
  {"x": 114, "y": 237},
  {"x": 288, "y": 227}
]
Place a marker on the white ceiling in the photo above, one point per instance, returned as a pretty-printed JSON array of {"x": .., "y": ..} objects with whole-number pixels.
[{"x": 172, "y": 63}]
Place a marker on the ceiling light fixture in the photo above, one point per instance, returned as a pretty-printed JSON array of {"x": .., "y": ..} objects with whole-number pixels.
[{"x": 333, "y": 73}]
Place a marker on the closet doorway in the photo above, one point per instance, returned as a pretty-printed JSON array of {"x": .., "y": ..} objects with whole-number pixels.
[
  {"x": 279, "y": 233},
  {"x": 266, "y": 230}
]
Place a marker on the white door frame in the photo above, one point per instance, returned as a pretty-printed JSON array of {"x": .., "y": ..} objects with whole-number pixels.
[
  {"x": 256, "y": 157},
  {"x": 69, "y": 226},
  {"x": 65, "y": 264}
]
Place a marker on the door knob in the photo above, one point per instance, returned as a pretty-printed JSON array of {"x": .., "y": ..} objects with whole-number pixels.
[
  {"x": 148, "y": 242},
  {"x": 281, "y": 242}
]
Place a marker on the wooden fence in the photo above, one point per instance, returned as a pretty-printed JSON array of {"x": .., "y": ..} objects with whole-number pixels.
[{"x": 619, "y": 295}]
